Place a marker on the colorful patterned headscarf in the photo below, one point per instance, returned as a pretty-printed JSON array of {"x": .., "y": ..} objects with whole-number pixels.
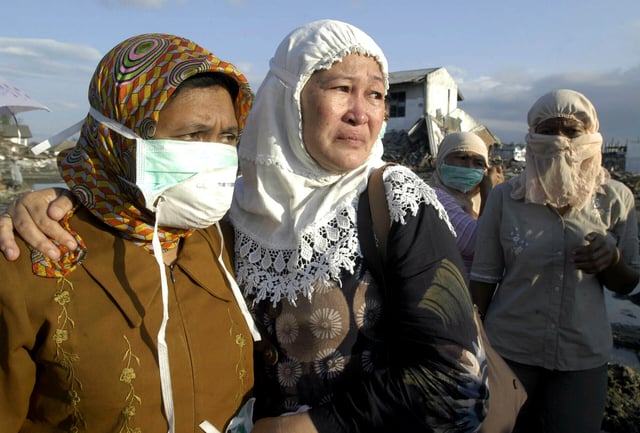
[{"x": 130, "y": 85}]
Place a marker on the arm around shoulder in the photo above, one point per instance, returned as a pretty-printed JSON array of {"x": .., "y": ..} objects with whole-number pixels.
[{"x": 35, "y": 218}]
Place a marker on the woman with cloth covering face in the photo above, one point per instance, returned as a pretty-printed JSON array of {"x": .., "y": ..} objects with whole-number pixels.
[
  {"x": 86, "y": 344},
  {"x": 341, "y": 352},
  {"x": 553, "y": 238},
  {"x": 463, "y": 180}
]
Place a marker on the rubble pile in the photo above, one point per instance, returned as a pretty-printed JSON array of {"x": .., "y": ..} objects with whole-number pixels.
[
  {"x": 622, "y": 413},
  {"x": 20, "y": 170},
  {"x": 399, "y": 147}
]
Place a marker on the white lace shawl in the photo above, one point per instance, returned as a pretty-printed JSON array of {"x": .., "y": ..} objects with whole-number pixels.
[
  {"x": 325, "y": 249},
  {"x": 295, "y": 218}
]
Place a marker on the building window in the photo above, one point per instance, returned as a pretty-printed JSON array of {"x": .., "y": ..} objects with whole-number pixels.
[{"x": 397, "y": 104}]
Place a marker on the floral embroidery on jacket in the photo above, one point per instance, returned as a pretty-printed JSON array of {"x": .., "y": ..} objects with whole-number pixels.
[
  {"x": 60, "y": 336},
  {"x": 128, "y": 375},
  {"x": 241, "y": 368}
]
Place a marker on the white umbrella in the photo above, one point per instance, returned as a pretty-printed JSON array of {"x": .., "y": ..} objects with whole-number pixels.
[{"x": 14, "y": 100}]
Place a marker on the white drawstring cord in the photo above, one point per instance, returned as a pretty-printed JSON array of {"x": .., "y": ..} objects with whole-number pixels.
[
  {"x": 237, "y": 292},
  {"x": 163, "y": 349}
]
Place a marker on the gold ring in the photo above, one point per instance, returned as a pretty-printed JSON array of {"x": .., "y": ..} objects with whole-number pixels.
[{"x": 5, "y": 215}]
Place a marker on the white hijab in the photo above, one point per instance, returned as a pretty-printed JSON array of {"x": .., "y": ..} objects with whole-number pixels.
[
  {"x": 295, "y": 221},
  {"x": 562, "y": 171}
]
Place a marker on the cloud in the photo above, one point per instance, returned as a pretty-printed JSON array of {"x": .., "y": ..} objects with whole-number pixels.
[
  {"x": 45, "y": 57},
  {"x": 54, "y": 73},
  {"x": 502, "y": 102}
]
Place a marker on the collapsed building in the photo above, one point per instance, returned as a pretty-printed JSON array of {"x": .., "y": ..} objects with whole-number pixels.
[{"x": 423, "y": 108}]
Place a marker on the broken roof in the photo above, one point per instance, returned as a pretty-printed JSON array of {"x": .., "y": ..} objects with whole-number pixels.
[{"x": 415, "y": 76}]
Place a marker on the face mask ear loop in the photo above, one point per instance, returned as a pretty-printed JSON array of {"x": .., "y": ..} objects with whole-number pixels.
[
  {"x": 55, "y": 140},
  {"x": 163, "y": 349},
  {"x": 113, "y": 125},
  {"x": 52, "y": 142},
  {"x": 237, "y": 293}
]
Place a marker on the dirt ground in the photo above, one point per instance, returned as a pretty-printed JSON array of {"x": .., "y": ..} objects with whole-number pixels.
[{"x": 622, "y": 413}]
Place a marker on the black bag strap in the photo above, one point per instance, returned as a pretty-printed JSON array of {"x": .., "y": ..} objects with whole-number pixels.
[
  {"x": 379, "y": 209},
  {"x": 372, "y": 258},
  {"x": 373, "y": 228},
  {"x": 373, "y": 219}
]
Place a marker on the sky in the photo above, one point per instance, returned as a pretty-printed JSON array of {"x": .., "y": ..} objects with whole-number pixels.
[{"x": 502, "y": 54}]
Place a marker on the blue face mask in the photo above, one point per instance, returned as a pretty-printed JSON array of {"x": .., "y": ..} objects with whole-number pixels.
[{"x": 461, "y": 178}]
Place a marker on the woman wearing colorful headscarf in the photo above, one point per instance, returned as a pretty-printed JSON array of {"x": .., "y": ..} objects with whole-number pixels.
[
  {"x": 463, "y": 180},
  {"x": 552, "y": 239},
  {"x": 139, "y": 328},
  {"x": 355, "y": 357}
]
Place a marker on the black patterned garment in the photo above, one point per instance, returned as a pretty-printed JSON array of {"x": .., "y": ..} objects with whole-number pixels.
[{"x": 365, "y": 360}]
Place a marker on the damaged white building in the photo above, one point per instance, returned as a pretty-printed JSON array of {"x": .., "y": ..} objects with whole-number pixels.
[{"x": 423, "y": 103}]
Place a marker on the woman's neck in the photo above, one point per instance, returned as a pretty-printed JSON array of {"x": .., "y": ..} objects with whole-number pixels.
[{"x": 170, "y": 256}]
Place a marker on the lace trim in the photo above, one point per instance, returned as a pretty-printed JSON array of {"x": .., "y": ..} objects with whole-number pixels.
[
  {"x": 406, "y": 192},
  {"x": 324, "y": 251}
]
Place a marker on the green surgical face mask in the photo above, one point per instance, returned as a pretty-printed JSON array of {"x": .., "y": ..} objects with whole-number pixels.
[
  {"x": 195, "y": 179},
  {"x": 461, "y": 178}
]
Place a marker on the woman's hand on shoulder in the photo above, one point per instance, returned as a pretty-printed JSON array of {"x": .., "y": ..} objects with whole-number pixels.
[{"x": 35, "y": 216}]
